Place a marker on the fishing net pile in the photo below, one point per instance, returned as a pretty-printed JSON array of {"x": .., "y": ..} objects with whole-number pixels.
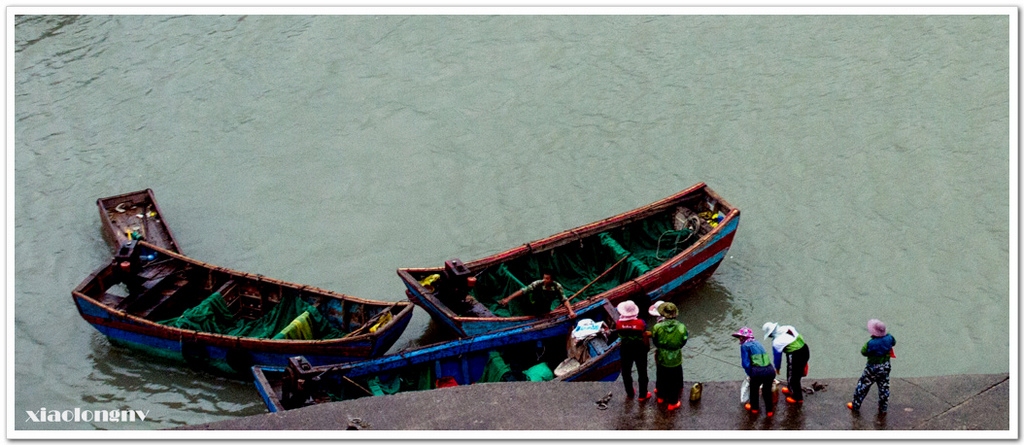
[
  {"x": 292, "y": 318},
  {"x": 465, "y": 369},
  {"x": 650, "y": 242}
]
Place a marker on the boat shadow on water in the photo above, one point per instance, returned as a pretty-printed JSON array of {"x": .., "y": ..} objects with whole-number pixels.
[{"x": 120, "y": 376}]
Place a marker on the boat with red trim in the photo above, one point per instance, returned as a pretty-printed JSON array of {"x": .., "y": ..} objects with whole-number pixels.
[
  {"x": 647, "y": 254},
  {"x": 216, "y": 318}
]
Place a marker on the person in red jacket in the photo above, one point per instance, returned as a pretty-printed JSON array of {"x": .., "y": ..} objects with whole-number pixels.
[{"x": 633, "y": 334}]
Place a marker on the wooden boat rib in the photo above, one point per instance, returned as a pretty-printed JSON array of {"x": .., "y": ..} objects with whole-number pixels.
[
  {"x": 709, "y": 221},
  {"x": 135, "y": 215},
  {"x": 532, "y": 352},
  {"x": 147, "y": 304}
]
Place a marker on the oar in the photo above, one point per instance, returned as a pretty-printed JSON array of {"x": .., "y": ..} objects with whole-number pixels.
[
  {"x": 568, "y": 301},
  {"x": 345, "y": 377},
  {"x": 353, "y": 382}
]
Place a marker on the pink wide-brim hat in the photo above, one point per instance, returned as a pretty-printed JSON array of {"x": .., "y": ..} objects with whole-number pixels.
[
  {"x": 627, "y": 310},
  {"x": 744, "y": 333},
  {"x": 876, "y": 328}
]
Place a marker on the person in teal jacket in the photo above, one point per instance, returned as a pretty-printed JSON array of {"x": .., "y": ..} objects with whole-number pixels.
[
  {"x": 669, "y": 336},
  {"x": 878, "y": 350},
  {"x": 758, "y": 366}
]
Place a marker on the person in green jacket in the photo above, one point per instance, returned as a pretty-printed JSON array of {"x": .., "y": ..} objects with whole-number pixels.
[
  {"x": 878, "y": 350},
  {"x": 669, "y": 336}
]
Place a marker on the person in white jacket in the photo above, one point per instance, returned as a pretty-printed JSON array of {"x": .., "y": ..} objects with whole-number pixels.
[{"x": 785, "y": 339}]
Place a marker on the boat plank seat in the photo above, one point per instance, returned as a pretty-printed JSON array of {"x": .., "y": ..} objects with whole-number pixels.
[
  {"x": 171, "y": 303},
  {"x": 159, "y": 298},
  {"x": 157, "y": 271},
  {"x": 227, "y": 290},
  {"x": 111, "y": 299},
  {"x": 153, "y": 278},
  {"x": 249, "y": 303}
]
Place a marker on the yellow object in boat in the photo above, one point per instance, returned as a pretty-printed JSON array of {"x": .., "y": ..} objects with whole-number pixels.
[
  {"x": 429, "y": 281},
  {"x": 383, "y": 321}
]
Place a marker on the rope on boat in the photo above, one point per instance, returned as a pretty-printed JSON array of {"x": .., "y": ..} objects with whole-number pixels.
[{"x": 691, "y": 224}]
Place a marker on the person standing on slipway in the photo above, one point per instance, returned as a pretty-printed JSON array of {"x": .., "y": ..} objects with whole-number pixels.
[
  {"x": 878, "y": 350},
  {"x": 758, "y": 366},
  {"x": 633, "y": 336},
  {"x": 669, "y": 337},
  {"x": 785, "y": 339}
]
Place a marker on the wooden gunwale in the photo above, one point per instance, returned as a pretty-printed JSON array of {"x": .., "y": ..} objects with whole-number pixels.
[
  {"x": 456, "y": 348},
  {"x": 709, "y": 245},
  {"x": 142, "y": 325}
]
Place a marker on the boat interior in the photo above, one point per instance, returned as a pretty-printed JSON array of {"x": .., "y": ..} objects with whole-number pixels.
[
  {"x": 172, "y": 291},
  {"x": 594, "y": 263},
  {"x": 530, "y": 360}
]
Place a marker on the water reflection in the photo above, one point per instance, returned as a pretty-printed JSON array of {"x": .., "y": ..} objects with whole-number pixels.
[
  {"x": 123, "y": 378},
  {"x": 435, "y": 332},
  {"x": 792, "y": 417},
  {"x": 710, "y": 316}
]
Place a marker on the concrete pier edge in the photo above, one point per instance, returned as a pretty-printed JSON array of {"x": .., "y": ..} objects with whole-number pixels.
[{"x": 977, "y": 406}]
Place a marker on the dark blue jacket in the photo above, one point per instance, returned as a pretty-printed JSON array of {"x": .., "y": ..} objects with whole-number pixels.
[{"x": 878, "y": 349}]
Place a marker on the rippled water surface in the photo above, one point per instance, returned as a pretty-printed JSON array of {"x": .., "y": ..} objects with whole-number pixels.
[{"x": 868, "y": 154}]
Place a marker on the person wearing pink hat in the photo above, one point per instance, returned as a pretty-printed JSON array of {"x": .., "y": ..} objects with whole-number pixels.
[
  {"x": 878, "y": 350},
  {"x": 633, "y": 350},
  {"x": 758, "y": 366}
]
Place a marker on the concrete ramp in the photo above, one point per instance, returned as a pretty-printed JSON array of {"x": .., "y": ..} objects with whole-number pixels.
[{"x": 964, "y": 402}]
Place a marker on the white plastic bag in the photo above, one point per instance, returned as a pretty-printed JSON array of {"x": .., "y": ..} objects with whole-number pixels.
[
  {"x": 586, "y": 328},
  {"x": 745, "y": 391}
]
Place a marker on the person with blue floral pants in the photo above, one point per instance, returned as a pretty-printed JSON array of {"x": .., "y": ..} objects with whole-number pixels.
[{"x": 878, "y": 350}]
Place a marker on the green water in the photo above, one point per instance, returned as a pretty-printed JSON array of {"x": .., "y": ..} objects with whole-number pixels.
[{"x": 870, "y": 156}]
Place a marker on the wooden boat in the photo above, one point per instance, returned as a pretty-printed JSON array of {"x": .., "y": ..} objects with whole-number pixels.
[
  {"x": 543, "y": 351},
  {"x": 646, "y": 254},
  {"x": 174, "y": 306},
  {"x": 135, "y": 215}
]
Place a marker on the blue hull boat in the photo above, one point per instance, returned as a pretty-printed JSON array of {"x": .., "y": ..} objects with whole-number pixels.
[
  {"x": 542, "y": 351},
  {"x": 176, "y": 307}
]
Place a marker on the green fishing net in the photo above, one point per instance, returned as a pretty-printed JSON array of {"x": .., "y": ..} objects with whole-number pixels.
[
  {"x": 649, "y": 242},
  {"x": 292, "y": 318}
]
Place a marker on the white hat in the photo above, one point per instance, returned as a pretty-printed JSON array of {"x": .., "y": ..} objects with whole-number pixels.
[
  {"x": 769, "y": 329},
  {"x": 654, "y": 308}
]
